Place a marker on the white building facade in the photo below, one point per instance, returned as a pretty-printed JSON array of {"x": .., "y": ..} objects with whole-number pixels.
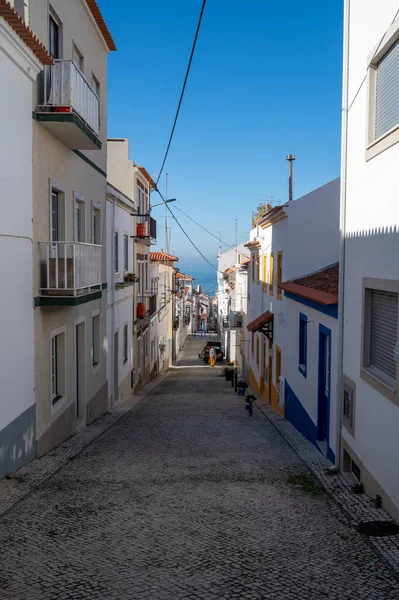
[
  {"x": 369, "y": 253},
  {"x": 20, "y": 62},
  {"x": 292, "y": 318}
]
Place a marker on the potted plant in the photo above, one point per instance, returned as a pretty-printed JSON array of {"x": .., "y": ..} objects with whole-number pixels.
[
  {"x": 229, "y": 373},
  {"x": 131, "y": 277},
  {"x": 241, "y": 387}
]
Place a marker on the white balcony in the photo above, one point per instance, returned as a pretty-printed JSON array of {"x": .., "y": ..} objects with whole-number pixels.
[
  {"x": 69, "y": 268},
  {"x": 69, "y": 106}
]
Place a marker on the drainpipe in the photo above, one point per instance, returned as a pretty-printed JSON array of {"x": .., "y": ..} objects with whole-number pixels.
[
  {"x": 342, "y": 224},
  {"x": 113, "y": 387}
]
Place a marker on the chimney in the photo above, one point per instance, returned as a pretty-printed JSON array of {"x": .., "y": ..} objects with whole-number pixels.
[{"x": 290, "y": 158}]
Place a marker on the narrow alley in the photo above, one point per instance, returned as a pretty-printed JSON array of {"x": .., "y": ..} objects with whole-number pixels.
[{"x": 186, "y": 497}]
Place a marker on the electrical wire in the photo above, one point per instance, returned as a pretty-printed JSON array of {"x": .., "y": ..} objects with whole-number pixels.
[
  {"x": 210, "y": 232},
  {"x": 186, "y": 234},
  {"x": 375, "y": 52},
  {"x": 183, "y": 90}
]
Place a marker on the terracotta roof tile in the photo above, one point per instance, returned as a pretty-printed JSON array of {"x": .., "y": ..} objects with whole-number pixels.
[
  {"x": 182, "y": 276},
  {"x": 246, "y": 261},
  {"x": 95, "y": 11},
  {"x": 22, "y": 30},
  {"x": 162, "y": 256},
  {"x": 147, "y": 176},
  {"x": 252, "y": 244},
  {"x": 260, "y": 321},
  {"x": 321, "y": 287}
]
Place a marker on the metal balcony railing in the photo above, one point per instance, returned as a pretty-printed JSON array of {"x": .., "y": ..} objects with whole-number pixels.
[
  {"x": 66, "y": 89},
  {"x": 69, "y": 268},
  {"x": 150, "y": 303}
]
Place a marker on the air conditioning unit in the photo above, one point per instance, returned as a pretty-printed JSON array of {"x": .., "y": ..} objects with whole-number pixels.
[{"x": 281, "y": 390}]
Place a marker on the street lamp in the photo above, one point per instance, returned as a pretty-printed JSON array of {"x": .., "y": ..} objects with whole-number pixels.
[{"x": 163, "y": 202}]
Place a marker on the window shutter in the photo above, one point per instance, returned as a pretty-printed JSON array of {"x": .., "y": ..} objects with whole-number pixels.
[
  {"x": 387, "y": 92},
  {"x": 383, "y": 334}
]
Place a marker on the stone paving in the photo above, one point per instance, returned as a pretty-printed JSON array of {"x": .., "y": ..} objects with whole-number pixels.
[
  {"x": 357, "y": 507},
  {"x": 186, "y": 497}
]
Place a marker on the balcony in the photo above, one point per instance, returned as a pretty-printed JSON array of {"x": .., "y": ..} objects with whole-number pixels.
[
  {"x": 69, "y": 270},
  {"x": 236, "y": 320},
  {"x": 146, "y": 305},
  {"x": 69, "y": 107},
  {"x": 146, "y": 230}
]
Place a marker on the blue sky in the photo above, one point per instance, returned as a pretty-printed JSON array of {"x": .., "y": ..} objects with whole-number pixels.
[{"x": 265, "y": 82}]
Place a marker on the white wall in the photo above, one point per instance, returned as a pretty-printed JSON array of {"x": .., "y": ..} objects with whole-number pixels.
[
  {"x": 18, "y": 68},
  {"x": 372, "y": 242}
]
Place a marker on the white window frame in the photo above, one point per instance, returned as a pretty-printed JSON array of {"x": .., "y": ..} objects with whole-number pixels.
[
  {"x": 126, "y": 268},
  {"x": 60, "y": 402},
  {"x": 80, "y": 200},
  {"x": 375, "y": 146},
  {"x": 76, "y": 50},
  {"x": 96, "y": 206},
  {"x": 367, "y": 373},
  {"x": 60, "y": 188},
  {"x": 349, "y": 386},
  {"x": 96, "y": 367},
  {"x": 116, "y": 254}
]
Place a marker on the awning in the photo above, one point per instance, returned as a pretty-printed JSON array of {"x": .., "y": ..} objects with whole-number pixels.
[{"x": 264, "y": 324}]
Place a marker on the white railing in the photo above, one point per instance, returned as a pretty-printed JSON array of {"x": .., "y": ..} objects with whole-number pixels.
[
  {"x": 65, "y": 86},
  {"x": 69, "y": 268}
]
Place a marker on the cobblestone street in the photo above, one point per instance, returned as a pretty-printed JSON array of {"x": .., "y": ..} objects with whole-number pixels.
[{"x": 186, "y": 497}]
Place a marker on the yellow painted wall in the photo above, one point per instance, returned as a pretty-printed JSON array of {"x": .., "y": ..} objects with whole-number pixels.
[
  {"x": 253, "y": 382},
  {"x": 275, "y": 405}
]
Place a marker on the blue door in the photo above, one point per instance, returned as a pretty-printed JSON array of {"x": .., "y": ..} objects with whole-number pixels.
[{"x": 323, "y": 415}]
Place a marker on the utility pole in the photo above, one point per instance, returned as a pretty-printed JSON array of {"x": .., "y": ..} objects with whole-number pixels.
[
  {"x": 236, "y": 244},
  {"x": 220, "y": 243},
  {"x": 290, "y": 158}
]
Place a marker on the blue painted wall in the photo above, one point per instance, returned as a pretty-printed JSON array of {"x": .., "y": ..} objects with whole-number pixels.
[{"x": 300, "y": 419}]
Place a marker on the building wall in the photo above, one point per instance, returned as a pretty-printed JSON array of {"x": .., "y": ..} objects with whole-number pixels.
[
  {"x": 124, "y": 298},
  {"x": 372, "y": 241},
  {"x": 54, "y": 164},
  {"x": 17, "y": 400},
  {"x": 303, "y": 411}
]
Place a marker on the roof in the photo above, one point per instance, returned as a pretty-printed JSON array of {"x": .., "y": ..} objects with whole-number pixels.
[
  {"x": 245, "y": 262},
  {"x": 99, "y": 19},
  {"x": 147, "y": 176},
  {"x": 186, "y": 289},
  {"x": 258, "y": 323},
  {"x": 270, "y": 215},
  {"x": 252, "y": 244},
  {"x": 22, "y": 30},
  {"x": 230, "y": 270},
  {"x": 162, "y": 256},
  {"x": 182, "y": 276},
  {"x": 191, "y": 301},
  {"x": 321, "y": 287}
]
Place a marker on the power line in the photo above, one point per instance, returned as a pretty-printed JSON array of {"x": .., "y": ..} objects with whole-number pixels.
[
  {"x": 183, "y": 89},
  {"x": 375, "y": 52},
  {"x": 207, "y": 230},
  {"x": 187, "y": 236}
]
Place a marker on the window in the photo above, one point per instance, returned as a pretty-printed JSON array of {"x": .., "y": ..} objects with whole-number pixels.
[
  {"x": 142, "y": 200},
  {"x": 96, "y": 346},
  {"x": 116, "y": 248},
  {"x": 125, "y": 343},
  {"x": 54, "y": 38},
  {"x": 278, "y": 365},
  {"x": 96, "y": 226},
  {"x": 348, "y": 404},
  {"x": 253, "y": 343},
  {"x": 271, "y": 273},
  {"x": 126, "y": 252},
  {"x": 350, "y": 466},
  {"x": 253, "y": 266},
  {"x": 257, "y": 350},
  {"x": 258, "y": 257},
  {"x": 80, "y": 221},
  {"x": 380, "y": 333},
  {"x": 264, "y": 275},
  {"x": 95, "y": 84},
  {"x": 279, "y": 273},
  {"x": 54, "y": 216},
  {"x": 303, "y": 342},
  {"x": 57, "y": 366},
  {"x": 77, "y": 58}
]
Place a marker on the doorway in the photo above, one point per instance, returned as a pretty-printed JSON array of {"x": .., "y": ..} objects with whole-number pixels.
[
  {"x": 269, "y": 372},
  {"x": 263, "y": 371},
  {"x": 116, "y": 364},
  {"x": 80, "y": 369},
  {"x": 323, "y": 414}
]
